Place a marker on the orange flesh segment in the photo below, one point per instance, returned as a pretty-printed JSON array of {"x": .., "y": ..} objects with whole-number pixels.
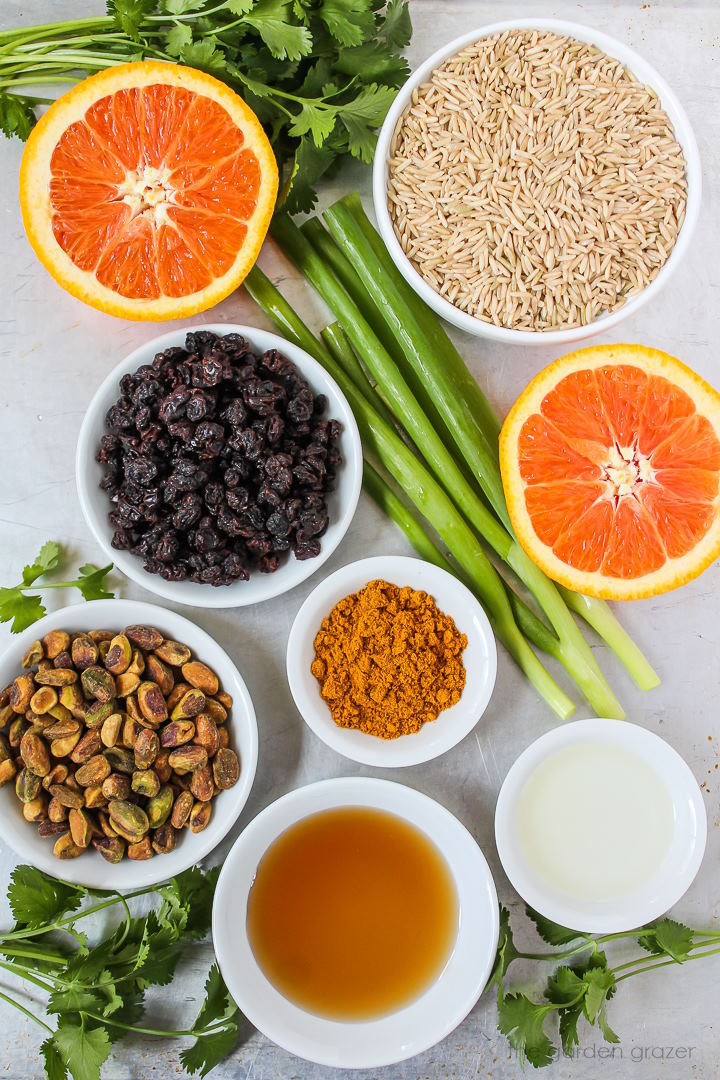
[
  {"x": 206, "y": 182},
  {"x": 595, "y": 421}
]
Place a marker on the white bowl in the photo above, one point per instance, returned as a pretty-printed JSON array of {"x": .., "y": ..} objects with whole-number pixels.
[
  {"x": 342, "y": 501},
  {"x": 401, "y": 1034},
  {"x": 673, "y": 877},
  {"x": 642, "y": 71},
  {"x": 90, "y": 869},
  {"x": 452, "y": 725}
]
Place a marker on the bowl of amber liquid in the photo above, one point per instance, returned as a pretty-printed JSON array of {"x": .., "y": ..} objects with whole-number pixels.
[{"x": 344, "y": 917}]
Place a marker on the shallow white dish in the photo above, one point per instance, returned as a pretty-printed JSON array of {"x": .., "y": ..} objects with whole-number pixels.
[
  {"x": 399, "y": 1035},
  {"x": 342, "y": 501},
  {"x": 452, "y": 725},
  {"x": 90, "y": 869},
  {"x": 642, "y": 71},
  {"x": 664, "y": 888}
]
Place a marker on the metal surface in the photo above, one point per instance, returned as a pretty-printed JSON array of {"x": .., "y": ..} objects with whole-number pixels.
[{"x": 55, "y": 352}]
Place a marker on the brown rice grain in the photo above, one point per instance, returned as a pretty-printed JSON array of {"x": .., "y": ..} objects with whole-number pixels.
[{"x": 534, "y": 183}]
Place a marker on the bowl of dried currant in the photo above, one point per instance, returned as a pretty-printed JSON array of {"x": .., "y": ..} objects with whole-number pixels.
[
  {"x": 128, "y": 744},
  {"x": 219, "y": 466}
]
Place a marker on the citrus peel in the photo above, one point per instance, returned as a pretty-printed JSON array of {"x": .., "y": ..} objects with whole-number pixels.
[{"x": 610, "y": 460}]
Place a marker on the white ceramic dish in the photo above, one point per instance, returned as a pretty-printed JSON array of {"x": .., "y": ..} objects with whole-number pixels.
[
  {"x": 399, "y": 1035},
  {"x": 342, "y": 502},
  {"x": 683, "y": 132},
  {"x": 671, "y": 880},
  {"x": 452, "y": 725},
  {"x": 91, "y": 869}
]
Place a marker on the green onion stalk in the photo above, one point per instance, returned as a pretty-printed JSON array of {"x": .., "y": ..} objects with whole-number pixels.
[
  {"x": 410, "y": 414},
  {"x": 381, "y": 442},
  {"x": 407, "y": 519},
  {"x": 422, "y": 346}
]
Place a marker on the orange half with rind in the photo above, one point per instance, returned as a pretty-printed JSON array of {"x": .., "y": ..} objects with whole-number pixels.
[
  {"x": 147, "y": 190},
  {"x": 610, "y": 461}
]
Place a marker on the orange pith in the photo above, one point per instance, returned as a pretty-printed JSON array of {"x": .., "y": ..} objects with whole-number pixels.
[
  {"x": 147, "y": 190},
  {"x": 611, "y": 467}
]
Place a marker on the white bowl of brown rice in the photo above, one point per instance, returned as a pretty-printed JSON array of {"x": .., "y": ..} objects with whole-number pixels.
[{"x": 536, "y": 181}]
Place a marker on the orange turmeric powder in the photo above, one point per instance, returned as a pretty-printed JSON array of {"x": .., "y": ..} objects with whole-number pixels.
[{"x": 388, "y": 660}]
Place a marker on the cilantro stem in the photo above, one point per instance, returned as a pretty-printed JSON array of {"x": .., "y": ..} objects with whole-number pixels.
[
  {"x": 587, "y": 943},
  {"x": 662, "y": 963},
  {"x": 18, "y": 969},
  {"x": 52, "y": 585},
  {"x": 193, "y": 1033},
  {"x": 31, "y": 1016},
  {"x": 594, "y": 942},
  {"x": 16, "y": 935},
  {"x": 30, "y": 954},
  {"x": 196, "y": 14},
  {"x": 54, "y": 30},
  {"x": 650, "y": 957},
  {"x": 33, "y": 81}
]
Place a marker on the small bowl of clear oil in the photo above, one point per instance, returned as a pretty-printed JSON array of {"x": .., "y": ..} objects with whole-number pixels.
[{"x": 600, "y": 826}]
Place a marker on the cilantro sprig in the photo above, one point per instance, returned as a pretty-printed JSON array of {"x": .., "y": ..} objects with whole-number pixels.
[
  {"x": 581, "y": 989},
  {"x": 21, "y": 604},
  {"x": 320, "y": 74},
  {"x": 96, "y": 992}
]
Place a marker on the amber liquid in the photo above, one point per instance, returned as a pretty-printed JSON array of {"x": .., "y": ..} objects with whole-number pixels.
[{"x": 353, "y": 913}]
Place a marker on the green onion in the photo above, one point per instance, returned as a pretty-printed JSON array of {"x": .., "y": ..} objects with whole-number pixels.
[
  {"x": 528, "y": 623},
  {"x": 381, "y": 442},
  {"x": 410, "y": 414},
  {"x": 428, "y": 350}
]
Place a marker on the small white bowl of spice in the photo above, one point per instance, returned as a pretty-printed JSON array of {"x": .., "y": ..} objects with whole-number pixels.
[
  {"x": 391, "y": 661},
  {"x": 536, "y": 181}
]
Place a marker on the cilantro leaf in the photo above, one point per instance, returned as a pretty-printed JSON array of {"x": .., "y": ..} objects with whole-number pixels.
[
  {"x": 102, "y": 998},
  {"x": 374, "y": 62},
  {"x": 194, "y": 892},
  {"x": 204, "y": 55},
  {"x": 316, "y": 120},
  {"x": 349, "y": 21},
  {"x": 565, "y": 987},
  {"x": 130, "y": 1011},
  {"x": 552, "y": 932},
  {"x": 521, "y": 1021},
  {"x": 161, "y": 948},
  {"x": 506, "y": 951},
  {"x": 178, "y": 37},
  {"x": 36, "y": 899},
  {"x": 182, "y": 7},
  {"x": 670, "y": 938},
  {"x": 17, "y": 117},
  {"x": 129, "y": 14},
  {"x": 600, "y": 983},
  {"x": 47, "y": 559},
  {"x": 316, "y": 77},
  {"x": 284, "y": 39},
  {"x": 569, "y": 1037},
  {"x": 608, "y": 1034},
  {"x": 218, "y": 1007},
  {"x": 54, "y": 1065},
  {"x": 310, "y": 163},
  {"x": 207, "y": 1051},
  {"x": 82, "y": 1049},
  {"x": 23, "y": 610},
  {"x": 397, "y": 27},
  {"x": 91, "y": 582},
  {"x": 364, "y": 114},
  {"x": 240, "y": 7}
]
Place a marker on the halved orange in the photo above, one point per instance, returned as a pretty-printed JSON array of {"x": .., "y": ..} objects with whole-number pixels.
[
  {"x": 610, "y": 461},
  {"x": 147, "y": 190}
]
